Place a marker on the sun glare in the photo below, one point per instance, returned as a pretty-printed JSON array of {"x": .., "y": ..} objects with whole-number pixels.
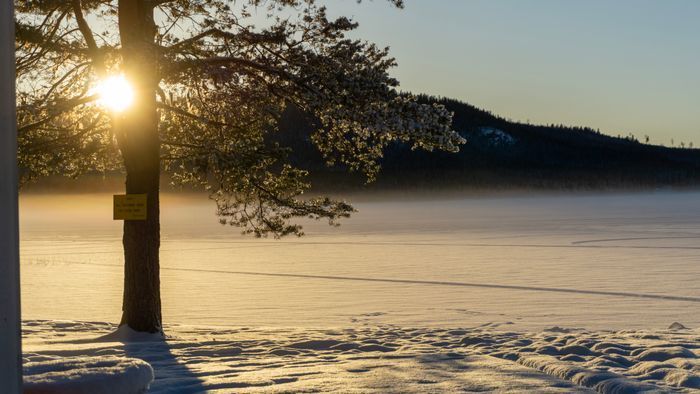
[{"x": 115, "y": 93}]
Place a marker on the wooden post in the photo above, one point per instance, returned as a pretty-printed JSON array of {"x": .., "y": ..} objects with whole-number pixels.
[{"x": 10, "y": 329}]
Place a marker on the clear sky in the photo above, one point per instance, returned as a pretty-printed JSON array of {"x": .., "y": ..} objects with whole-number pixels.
[{"x": 621, "y": 66}]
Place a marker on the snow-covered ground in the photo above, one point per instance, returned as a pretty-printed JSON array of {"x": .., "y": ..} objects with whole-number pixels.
[
  {"x": 513, "y": 293},
  {"x": 385, "y": 358}
]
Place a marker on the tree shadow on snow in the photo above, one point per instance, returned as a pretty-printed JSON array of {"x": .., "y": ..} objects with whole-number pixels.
[{"x": 171, "y": 373}]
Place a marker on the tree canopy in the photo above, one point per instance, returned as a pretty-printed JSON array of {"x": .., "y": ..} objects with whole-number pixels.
[{"x": 225, "y": 71}]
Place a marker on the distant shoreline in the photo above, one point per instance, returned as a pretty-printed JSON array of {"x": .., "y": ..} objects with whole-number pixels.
[{"x": 408, "y": 186}]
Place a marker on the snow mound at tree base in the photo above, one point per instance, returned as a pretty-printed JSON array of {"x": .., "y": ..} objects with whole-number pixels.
[
  {"x": 89, "y": 375},
  {"x": 127, "y": 334}
]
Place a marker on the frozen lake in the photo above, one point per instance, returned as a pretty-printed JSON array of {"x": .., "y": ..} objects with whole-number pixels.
[{"x": 614, "y": 261}]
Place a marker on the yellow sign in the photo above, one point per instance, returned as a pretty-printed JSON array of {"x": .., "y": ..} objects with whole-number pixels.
[{"x": 130, "y": 206}]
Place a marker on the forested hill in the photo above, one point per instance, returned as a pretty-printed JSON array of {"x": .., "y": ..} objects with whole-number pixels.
[{"x": 501, "y": 153}]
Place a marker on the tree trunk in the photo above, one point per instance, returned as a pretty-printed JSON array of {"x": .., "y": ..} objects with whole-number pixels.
[{"x": 137, "y": 132}]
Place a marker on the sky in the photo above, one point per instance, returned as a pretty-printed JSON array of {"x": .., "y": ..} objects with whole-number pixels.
[{"x": 623, "y": 66}]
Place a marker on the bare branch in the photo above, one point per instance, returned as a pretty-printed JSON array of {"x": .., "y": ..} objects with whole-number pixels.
[{"x": 89, "y": 38}]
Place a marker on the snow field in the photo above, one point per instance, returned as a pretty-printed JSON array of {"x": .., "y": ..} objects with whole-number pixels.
[{"x": 386, "y": 358}]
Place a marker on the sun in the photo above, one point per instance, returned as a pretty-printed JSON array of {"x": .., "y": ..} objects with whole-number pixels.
[{"x": 115, "y": 93}]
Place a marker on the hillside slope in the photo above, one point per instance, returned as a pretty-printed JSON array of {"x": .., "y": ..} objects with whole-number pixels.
[{"x": 503, "y": 153}]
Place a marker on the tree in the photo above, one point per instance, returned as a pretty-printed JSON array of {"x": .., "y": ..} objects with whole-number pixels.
[{"x": 210, "y": 85}]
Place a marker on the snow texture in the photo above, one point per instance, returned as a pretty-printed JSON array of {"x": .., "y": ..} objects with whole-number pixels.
[
  {"x": 95, "y": 374},
  {"x": 373, "y": 359}
]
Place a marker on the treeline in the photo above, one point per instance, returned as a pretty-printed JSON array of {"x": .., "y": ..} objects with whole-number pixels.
[
  {"x": 504, "y": 154},
  {"x": 499, "y": 155}
]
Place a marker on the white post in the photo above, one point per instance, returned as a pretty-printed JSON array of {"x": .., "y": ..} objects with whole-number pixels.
[{"x": 10, "y": 331}]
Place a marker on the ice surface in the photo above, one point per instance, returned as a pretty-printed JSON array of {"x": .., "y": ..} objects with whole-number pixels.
[{"x": 615, "y": 261}]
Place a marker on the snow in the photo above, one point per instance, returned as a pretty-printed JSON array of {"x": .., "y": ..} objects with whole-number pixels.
[
  {"x": 380, "y": 358},
  {"x": 497, "y": 137},
  {"x": 89, "y": 375},
  {"x": 544, "y": 293},
  {"x": 127, "y": 334},
  {"x": 626, "y": 261}
]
